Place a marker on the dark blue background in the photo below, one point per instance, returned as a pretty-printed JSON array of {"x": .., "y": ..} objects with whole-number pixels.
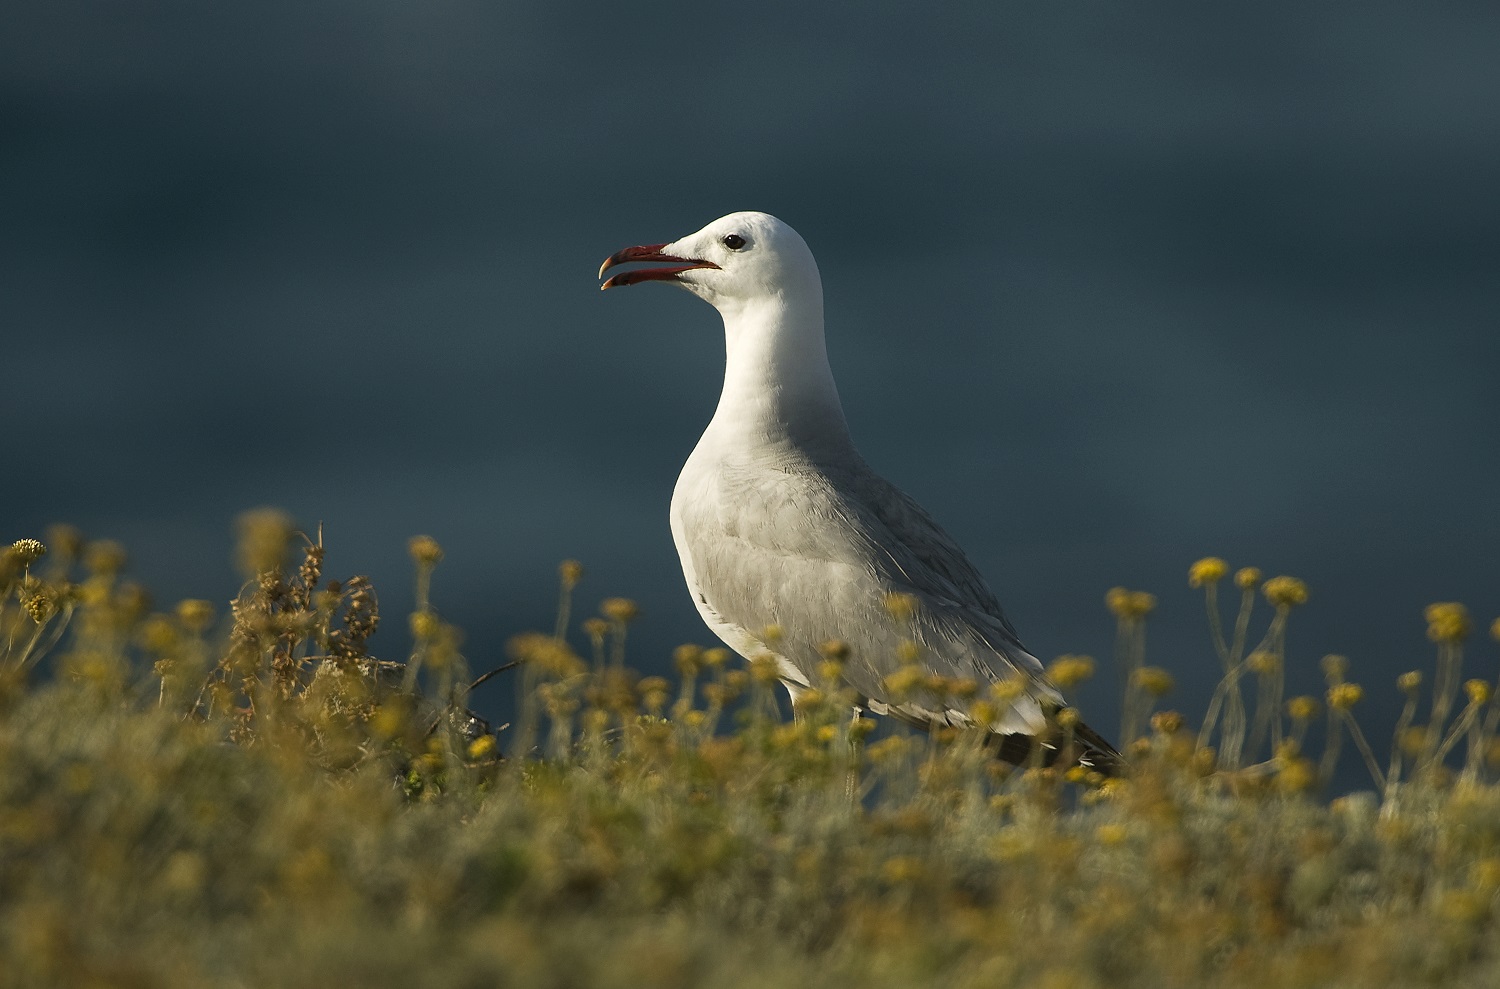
[{"x": 1109, "y": 289}]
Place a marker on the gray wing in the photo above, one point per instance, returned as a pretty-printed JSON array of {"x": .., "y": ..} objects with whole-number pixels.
[{"x": 817, "y": 551}]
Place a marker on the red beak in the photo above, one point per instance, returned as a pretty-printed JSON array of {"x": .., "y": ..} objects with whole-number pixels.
[{"x": 648, "y": 252}]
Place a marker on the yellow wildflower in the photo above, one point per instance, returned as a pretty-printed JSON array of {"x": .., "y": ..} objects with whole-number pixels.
[
  {"x": 688, "y": 659},
  {"x": 1447, "y": 621},
  {"x": 1302, "y": 708},
  {"x": 1343, "y": 696},
  {"x": 1410, "y": 682},
  {"x": 1154, "y": 680},
  {"x": 424, "y": 550},
  {"x": 1167, "y": 722},
  {"x": 1247, "y": 578},
  {"x": 1285, "y": 592},
  {"x": 1478, "y": 691},
  {"x": 622, "y": 610},
  {"x": 902, "y": 607},
  {"x": 1209, "y": 570},
  {"x": 1069, "y": 671}
]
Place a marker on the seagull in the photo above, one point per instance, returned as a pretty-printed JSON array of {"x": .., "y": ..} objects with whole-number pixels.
[{"x": 789, "y": 540}]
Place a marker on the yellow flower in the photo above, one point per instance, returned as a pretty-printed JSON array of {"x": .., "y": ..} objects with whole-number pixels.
[
  {"x": 570, "y": 572},
  {"x": 1447, "y": 621},
  {"x": 424, "y": 625},
  {"x": 1111, "y": 834},
  {"x": 424, "y": 550},
  {"x": 1302, "y": 708},
  {"x": 836, "y": 650},
  {"x": 1410, "y": 682},
  {"x": 1285, "y": 592},
  {"x": 1167, "y": 722},
  {"x": 902, "y": 607},
  {"x": 1069, "y": 671},
  {"x": 1007, "y": 690},
  {"x": 715, "y": 657},
  {"x": 1128, "y": 604},
  {"x": 1068, "y": 717},
  {"x": 1334, "y": 667},
  {"x": 1264, "y": 663},
  {"x": 860, "y": 728},
  {"x": 1478, "y": 691},
  {"x": 622, "y": 610},
  {"x": 1343, "y": 696},
  {"x": 1247, "y": 578},
  {"x": 904, "y": 681},
  {"x": 688, "y": 658},
  {"x": 763, "y": 670},
  {"x": 107, "y": 557},
  {"x": 195, "y": 615},
  {"x": 1297, "y": 775},
  {"x": 1209, "y": 570},
  {"x": 264, "y": 534},
  {"x": 481, "y": 747},
  {"x": 1154, "y": 680}
]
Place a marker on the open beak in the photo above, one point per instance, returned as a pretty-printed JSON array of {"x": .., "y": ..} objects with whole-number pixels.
[{"x": 648, "y": 252}]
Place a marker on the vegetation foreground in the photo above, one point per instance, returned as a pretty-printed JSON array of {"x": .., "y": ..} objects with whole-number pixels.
[{"x": 255, "y": 800}]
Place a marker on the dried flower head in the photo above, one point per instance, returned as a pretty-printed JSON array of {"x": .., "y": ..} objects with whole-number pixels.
[
  {"x": 1285, "y": 592},
  {"x": 1209, "y": 570},
  {"x": 27, "y": 551}
]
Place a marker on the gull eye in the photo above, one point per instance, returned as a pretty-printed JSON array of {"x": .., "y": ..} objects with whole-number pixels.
[{"x": 734, "y": 241}]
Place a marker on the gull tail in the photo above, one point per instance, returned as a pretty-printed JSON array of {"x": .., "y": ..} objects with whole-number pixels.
[{"x": 1088, "y": 749}]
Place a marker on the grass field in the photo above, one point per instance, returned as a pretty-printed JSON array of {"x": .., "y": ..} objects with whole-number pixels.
[{"x": 250, "y": 798}]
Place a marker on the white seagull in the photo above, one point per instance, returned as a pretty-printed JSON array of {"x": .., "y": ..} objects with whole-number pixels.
[{"x": 788, "y": 539}]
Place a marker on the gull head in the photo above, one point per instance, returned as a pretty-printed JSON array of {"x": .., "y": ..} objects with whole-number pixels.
[{"x": 739, "y": 259}]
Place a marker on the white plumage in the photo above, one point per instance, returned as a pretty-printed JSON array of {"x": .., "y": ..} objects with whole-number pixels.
[{"x": 779, "y": 522}]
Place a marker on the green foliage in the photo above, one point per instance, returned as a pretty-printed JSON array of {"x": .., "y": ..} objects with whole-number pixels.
[{"x": 261, "y": 802}]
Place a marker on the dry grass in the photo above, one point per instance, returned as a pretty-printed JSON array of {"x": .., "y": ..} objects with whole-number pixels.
[{"x": 254, "y": 800}]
